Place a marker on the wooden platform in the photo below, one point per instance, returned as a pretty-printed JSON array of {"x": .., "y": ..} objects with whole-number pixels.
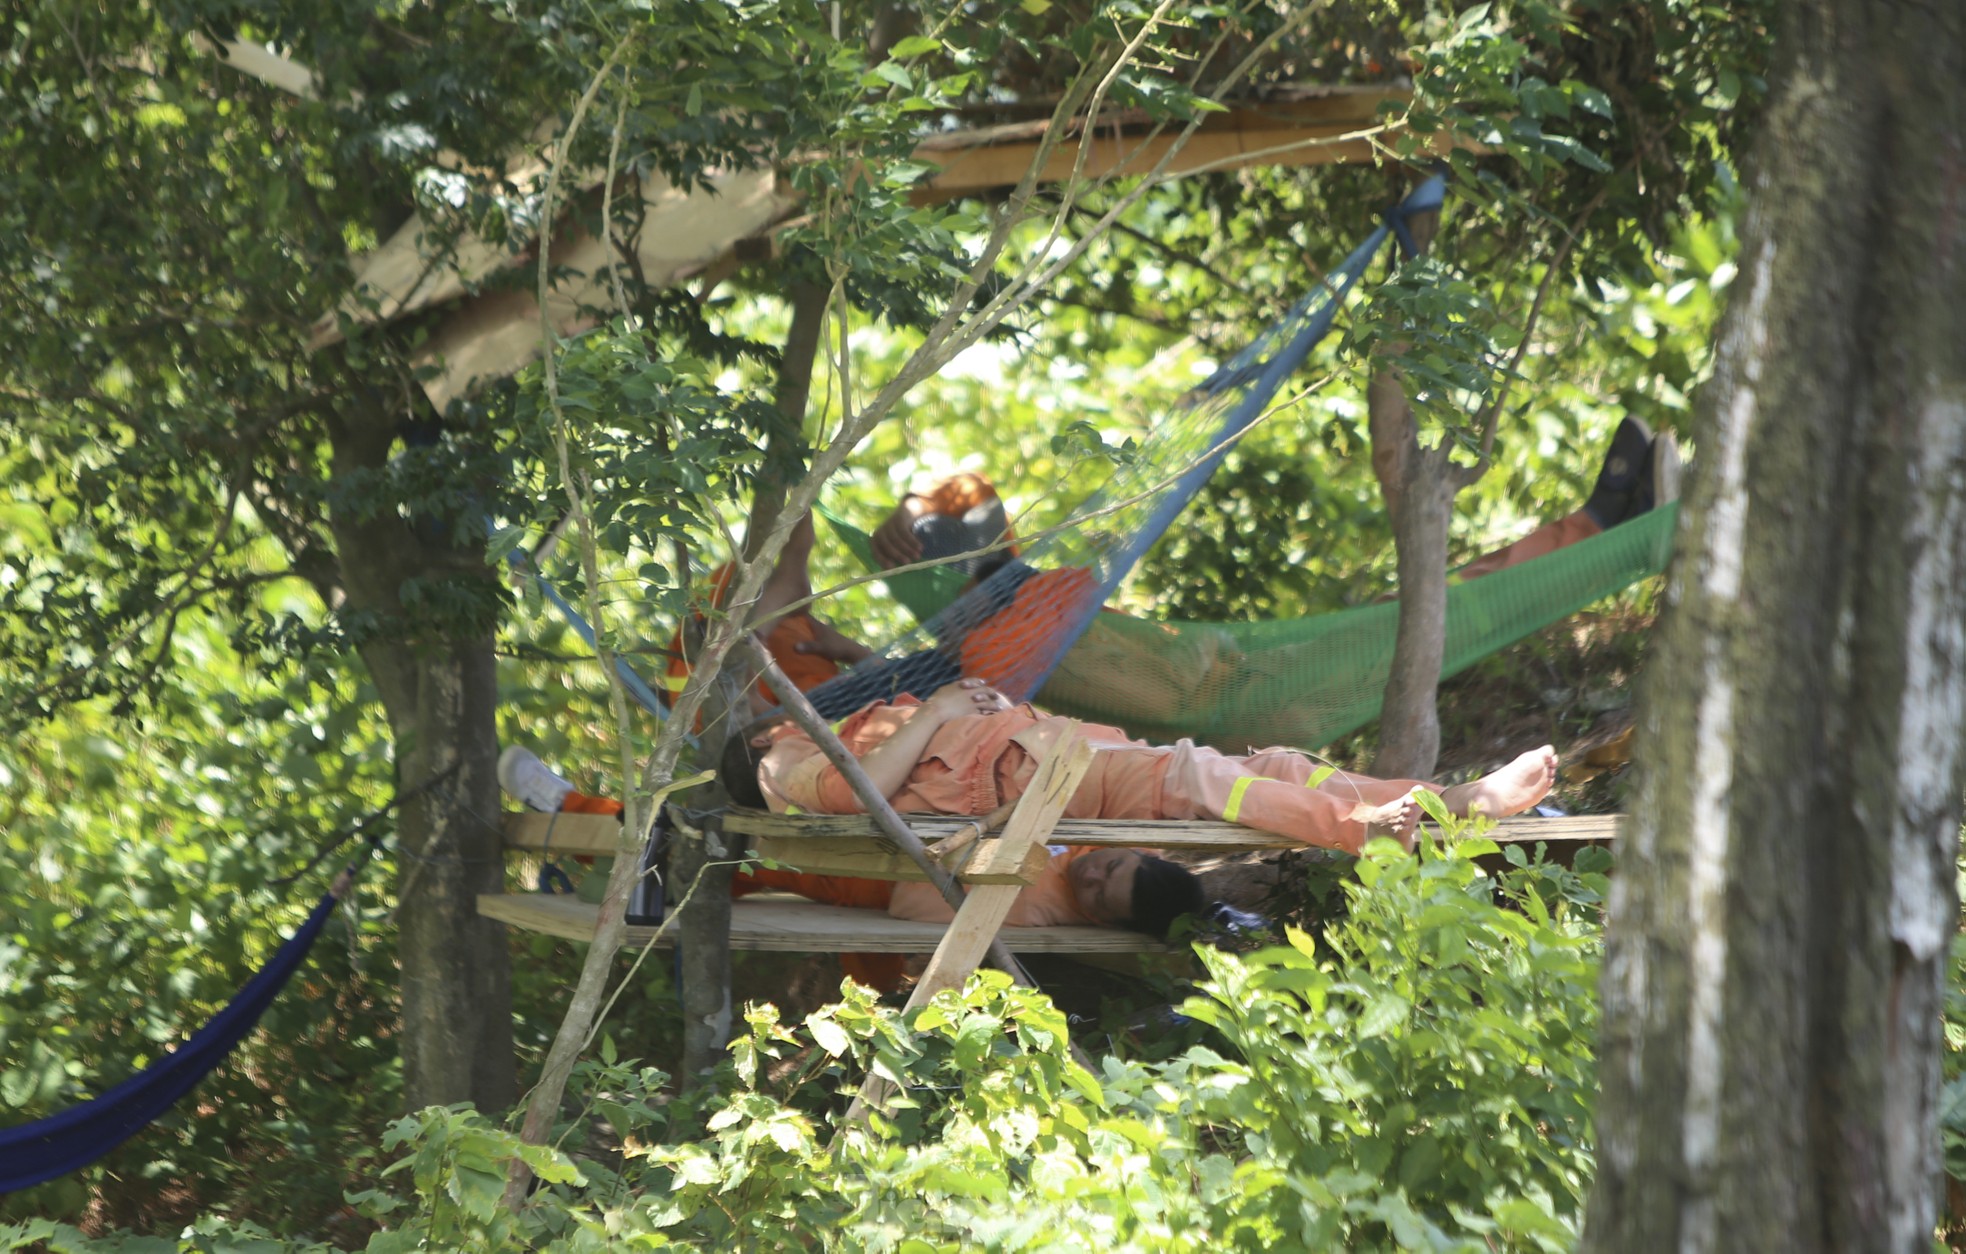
[
  {"x": 787, "y": 836},
  {"x": 782, "y": 923},
  {"x": 849, "y": 844}
]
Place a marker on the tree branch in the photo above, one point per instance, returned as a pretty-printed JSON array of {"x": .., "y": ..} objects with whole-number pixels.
[{"x": 878, "y": 806}]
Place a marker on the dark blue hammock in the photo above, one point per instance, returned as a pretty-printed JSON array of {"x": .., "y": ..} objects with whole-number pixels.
[{"x": 76, "y": 1137}]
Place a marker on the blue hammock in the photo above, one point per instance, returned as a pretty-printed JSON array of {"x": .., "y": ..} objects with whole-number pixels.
[{"x": 76, "y": 1137}]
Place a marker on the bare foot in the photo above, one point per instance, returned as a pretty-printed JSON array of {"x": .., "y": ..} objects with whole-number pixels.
[
  {"x": 1511, "y": 790},
  {"x": 1398, "y": 818}
]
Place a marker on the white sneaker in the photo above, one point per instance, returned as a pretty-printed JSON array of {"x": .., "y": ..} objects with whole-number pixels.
[{"x": 523, "y": 775}]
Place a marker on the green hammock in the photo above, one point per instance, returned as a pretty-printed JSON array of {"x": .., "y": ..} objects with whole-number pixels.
[{"x": 1302, "y": 682}]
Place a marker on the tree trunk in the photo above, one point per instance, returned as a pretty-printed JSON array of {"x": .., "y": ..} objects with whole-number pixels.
[
  {"x": 457, "y": 986},
  {"x": 1418, "y": 485},
  {"x": 439, "y": 689},
  {"x": 1785, "y": 898},
  {"x": 1421, "y": 507},
  {"x": 700, "y": 865}
]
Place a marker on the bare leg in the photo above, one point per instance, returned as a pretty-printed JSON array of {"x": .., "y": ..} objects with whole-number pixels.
[
  {"x": 1511, "y": 790},
  {"x": 1547, "y": 538}
]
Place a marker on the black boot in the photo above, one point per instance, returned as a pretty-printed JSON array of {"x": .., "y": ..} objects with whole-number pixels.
[{"x": 1615, "y": 495}]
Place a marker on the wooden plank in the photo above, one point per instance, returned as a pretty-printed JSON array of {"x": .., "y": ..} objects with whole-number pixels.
[
  {"x": 784, "y": 924},
  {"x": 563, "y": 833},
  {"x": 848, "y": 844},
  {"x": 1184, "y": 834},
  {"x": 1336, "y": 126},
  {"x": 875, "y": 857},
  {"x": 870, "y": 856}
]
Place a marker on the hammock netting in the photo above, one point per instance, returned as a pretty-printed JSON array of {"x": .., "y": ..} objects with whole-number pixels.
[
  {"x": 1035, "y": 629},
  {"x": 1016, "y": 626},
  {"x": 1308, "y": 681}
]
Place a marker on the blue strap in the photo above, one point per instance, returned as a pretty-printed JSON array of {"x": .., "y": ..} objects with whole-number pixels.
[
  {"x": 1428, "y": 197},
  {"x": 637, "y": 687},
  {"x": 76, "y": 1137},
  {"x": 1262, "y": 368}
]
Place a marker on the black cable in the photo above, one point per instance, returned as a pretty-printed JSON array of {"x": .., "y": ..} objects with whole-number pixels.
[{"x": 359, "y": 826}]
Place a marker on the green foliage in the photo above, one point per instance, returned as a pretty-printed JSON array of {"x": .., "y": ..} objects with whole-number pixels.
[
  {"x": 189, "y": 564},
  {"x": 1418, "y": 1077}
]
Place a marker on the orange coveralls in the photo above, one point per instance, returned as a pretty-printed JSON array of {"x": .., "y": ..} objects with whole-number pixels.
[{"x": 977, "y": 762}]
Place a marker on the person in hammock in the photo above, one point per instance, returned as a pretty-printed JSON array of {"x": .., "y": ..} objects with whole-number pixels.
[
  {"x": 1004, "y": 638},
  {"x": 1080, "y": 886},
  {"x": 809, "y": 649}
]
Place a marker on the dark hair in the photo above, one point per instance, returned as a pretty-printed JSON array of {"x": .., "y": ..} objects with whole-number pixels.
[
  {"x": 1163, "y": 891},
  {"x": 738, "y": 771}
]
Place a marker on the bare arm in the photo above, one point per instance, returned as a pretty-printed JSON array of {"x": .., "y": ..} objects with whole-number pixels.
[{"x": 799, "y": 774}]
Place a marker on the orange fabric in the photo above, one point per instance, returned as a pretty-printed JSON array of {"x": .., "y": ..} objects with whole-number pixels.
[
  {"x": 1547, "y": 538},
  {"x": 1008, "y": 648},
  {"x": 975, "y": 763},
  {"x": 581, "y": 803},
  {"x": 827, "y": 890},
  {"x": 806, "y": 670}
]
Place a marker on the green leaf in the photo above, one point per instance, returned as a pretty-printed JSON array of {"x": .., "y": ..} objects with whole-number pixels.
[
  {"x": 828, "y": 1035},
  {"x": 1385, "y": 1012}
]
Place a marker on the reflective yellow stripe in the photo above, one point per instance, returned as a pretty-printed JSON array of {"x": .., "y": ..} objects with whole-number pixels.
[{"x": 1236, "y": 790}]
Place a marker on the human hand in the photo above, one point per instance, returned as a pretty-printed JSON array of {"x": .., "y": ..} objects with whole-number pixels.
[
  {"x": 965, "y": 696},
  {"x": 894, "y": 542},
  {"x": 832, "y": 644}
]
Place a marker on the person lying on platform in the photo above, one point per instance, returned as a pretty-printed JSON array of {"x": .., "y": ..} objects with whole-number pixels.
[
  {"x": 1080, "y": 886},
  {"x": 968, "y": 749}
]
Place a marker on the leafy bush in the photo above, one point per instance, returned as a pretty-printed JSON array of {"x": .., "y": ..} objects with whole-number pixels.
[{"x": 1420, "y": 1076}]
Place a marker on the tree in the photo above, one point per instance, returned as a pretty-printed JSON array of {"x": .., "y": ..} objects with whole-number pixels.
[
  {"x": 1786, "y": 897},
  {"x": 174, "y": 231}
]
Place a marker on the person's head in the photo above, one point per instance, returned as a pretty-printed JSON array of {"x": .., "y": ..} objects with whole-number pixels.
[
  {"x": 743, "y": 751},
  {"x": 1129, "y": 889},
  {"x": 943, "y": 536}
]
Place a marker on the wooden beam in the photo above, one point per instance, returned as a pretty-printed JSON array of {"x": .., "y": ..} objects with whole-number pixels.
[
  {"x": 1176, "y": 834},
  {"x": 1341, "y": 125},
  {"x": 849, "y": 844},
  {"x": 783, "y": 924},
  {"x": 876, "y": 858},
  {"x": 976, "y": 925}
]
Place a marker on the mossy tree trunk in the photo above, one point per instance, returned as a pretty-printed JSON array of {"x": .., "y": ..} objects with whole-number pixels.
[{"x": 1785, "y": 898}]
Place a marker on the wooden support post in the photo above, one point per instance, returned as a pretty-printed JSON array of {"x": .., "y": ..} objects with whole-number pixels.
[{"x": 982, "y": 914}]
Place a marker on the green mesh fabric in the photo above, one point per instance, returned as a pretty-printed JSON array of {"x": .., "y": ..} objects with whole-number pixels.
[
  {"x": 1301, "y": 682},
  {"x": 923, "y": 593}
]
